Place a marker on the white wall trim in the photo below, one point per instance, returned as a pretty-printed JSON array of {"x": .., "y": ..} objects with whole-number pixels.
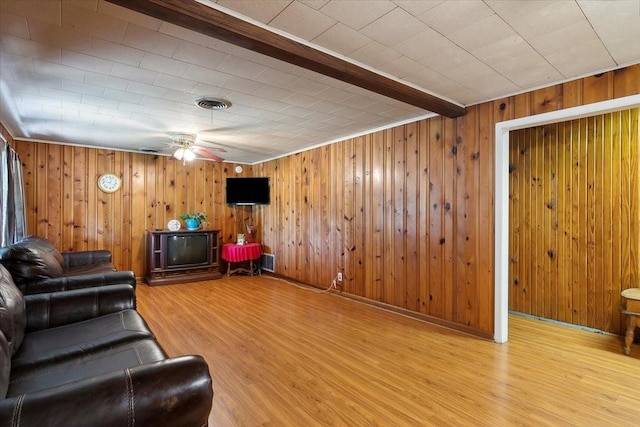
[{"x": 501, "y": 192}]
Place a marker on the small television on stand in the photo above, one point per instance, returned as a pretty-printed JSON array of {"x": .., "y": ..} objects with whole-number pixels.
[
  {"x": 248, "y": 191},
  {"x": 182, "y": 256}
]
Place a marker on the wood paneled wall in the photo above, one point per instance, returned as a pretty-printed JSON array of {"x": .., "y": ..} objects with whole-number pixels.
[
  {"x": 65, "y": 205},
  {"x": 575, "y": 219},
  {"x": 407, "y": 213}
]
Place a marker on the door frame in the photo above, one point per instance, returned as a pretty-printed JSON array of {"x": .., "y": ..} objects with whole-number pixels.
[{"x": 501, "y": 192}]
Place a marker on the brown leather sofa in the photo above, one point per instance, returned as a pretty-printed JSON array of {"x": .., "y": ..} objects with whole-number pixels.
[
  {"x": 86, "y": 357},
  {"x": 37, "y": 267}
]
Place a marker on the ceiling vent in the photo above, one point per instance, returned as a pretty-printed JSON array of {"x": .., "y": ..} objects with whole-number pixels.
[{"x": 212, "y": 103}]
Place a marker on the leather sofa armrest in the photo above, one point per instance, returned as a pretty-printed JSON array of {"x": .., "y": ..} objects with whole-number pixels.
[
  {"x": 77, "y": 258},
  {"x": 66, "y": 283},
  {"x": 175, "y": 392},
  {"x": 61, "y": 308}
]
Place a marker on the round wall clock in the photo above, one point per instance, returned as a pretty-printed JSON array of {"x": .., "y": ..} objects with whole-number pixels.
[
  {"x": 109, "y": 182},
  {"x": 173, "y": 225}
]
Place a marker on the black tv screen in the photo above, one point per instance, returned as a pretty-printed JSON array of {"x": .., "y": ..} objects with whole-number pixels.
[
  {"x": 187, "y": 250},
  {"x": 248, "y": 191}
]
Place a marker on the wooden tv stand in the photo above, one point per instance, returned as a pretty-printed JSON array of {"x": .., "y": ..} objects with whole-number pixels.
[{"x": 159, "y": 273}]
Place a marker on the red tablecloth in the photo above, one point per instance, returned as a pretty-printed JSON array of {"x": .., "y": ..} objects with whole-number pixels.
[{"x": 237, "y": 253}]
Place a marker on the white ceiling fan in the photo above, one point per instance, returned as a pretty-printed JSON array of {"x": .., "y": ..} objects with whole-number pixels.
[{"x": 187, "y": 149}]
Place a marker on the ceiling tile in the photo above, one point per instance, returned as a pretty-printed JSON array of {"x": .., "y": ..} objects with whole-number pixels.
[
  {"x": 64, "y": 95},
  {"x": 504, "y": 48},
  {"x": 316, "y": 4},
  {"x": 115, "y": 52},
  {"x": 417, "y": 7},
  {"x": 59, "y": 70},
  {"x": 49, "y": 12},
  {"x": 564, "y": 38},
  {"x": 173, "y": 82},
  {"x": 128, "y": 72},
  {"x": 482, "y": 32},
  {"x": 302, "y": 21},
  {"x": 100, "y": 101},
  {"x": 150, "y": 41},
  {"x": 145, "y": 89},
  {"x": 305, "y": 87},
  {"x": 121, "y": 95},
  {"x": 424, "y": 45},
  {"x": 30, "y": 48},
  {"x": 163, "y": 64},
  {"x": 393, "y": 27},
  {"x": 260, "y": 10},
  {"x": 85, "y": 62},
  {"x": 83, "y": 20},
  {"x": 199, "y": 55},
  {"x": 14, "y": 25},
  {"x": 375, "y": 54},
  {"x": 241, "y": 85},
  {"x": 184, "y": 34},
  {"x": 450, "y": 16},
  {"x": 353, "y": 14},
  {"x": 82, "y": 88},
  {"x": 205, "y": 75},
  {"x": 341, "y": 39},
  {"x": 18, "y": 62},
  {"x": 120, "y": 13},
  {"x": 536, "y": 18},
  {"x": 240, "y": 67},
  {"x": 52, "y": 35},
  {"x": 581, "y": 59},
  {"x": 276, "y": 78},
  {"x": 106, "y": 81}
]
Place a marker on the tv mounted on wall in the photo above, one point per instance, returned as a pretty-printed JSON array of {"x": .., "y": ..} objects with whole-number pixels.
[{"x": 248, "y": 191}]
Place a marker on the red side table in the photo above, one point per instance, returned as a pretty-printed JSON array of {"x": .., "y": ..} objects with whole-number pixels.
[{"x": 240, "y": 253}]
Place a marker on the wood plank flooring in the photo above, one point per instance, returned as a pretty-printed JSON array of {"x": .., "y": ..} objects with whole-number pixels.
[{"x": 281, "y": 355}]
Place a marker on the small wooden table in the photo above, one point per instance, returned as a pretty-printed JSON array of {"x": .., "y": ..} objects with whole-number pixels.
[
  {"x": 630, "y": 307},
  {"x": 239, "y": 253}
]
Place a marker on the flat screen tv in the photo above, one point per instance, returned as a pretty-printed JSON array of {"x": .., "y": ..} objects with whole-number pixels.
[
  {"x": 187, "y": 250},
  {"x": 248, "y": 191}
]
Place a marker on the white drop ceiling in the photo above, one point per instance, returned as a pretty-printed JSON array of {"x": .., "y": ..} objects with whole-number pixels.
[{"x": 91, "y": 73}]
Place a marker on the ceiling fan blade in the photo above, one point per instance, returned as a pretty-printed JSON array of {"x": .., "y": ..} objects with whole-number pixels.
[
  {"x": 205, "y": 153},
  {"x": 222, "y": 150}
]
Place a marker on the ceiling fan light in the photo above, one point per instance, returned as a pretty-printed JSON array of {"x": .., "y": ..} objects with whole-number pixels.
[
  {"x": 189, "y": 155},
  {"x": 179, "y": 154}
]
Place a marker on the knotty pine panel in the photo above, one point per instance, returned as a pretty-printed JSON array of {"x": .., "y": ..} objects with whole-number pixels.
[
  {"x": 407, "y": 213},
  {"x": 575, "y": 214},
  {"x": 65, "y": 206}
]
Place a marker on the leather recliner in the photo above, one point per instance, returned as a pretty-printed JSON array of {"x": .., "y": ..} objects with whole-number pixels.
[
  {"x": 38, "y": 267},
  {"x": 86, "y": 357}
]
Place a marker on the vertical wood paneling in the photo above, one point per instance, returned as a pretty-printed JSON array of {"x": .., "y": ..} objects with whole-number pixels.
[
  {"x": 393, "y": 214},
  {"x": 585, "y": 240},
  {"x": 65, "y": 206}
]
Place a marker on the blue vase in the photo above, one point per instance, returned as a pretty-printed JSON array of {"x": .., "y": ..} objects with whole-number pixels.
[{"x": 192, "y": 223}]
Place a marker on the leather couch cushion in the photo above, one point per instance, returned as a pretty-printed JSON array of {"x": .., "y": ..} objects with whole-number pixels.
[
  {"x": 5, "y": 366},
  {"x": 116, "y": 358},
  {"x": 32, "y": 258},
  {"x": 89, "y": 269},
  {"x": 13, "y": 317},
  {"x": 89, "y": 336}
]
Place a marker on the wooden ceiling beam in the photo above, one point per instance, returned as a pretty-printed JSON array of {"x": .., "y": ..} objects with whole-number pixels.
[{"x": 212, "y": 22}]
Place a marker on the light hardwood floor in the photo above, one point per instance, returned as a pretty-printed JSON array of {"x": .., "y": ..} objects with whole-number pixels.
[{"x": 280, "y": 355}]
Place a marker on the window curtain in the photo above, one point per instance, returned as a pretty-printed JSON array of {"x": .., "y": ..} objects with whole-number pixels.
[{"x": 12, "y": 207}]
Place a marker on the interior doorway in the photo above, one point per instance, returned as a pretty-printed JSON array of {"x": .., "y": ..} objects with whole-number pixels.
[{"x": 501, "y": 191}]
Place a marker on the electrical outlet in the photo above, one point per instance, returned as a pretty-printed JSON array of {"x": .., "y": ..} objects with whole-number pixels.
[{"x": 339, "y": 276}]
